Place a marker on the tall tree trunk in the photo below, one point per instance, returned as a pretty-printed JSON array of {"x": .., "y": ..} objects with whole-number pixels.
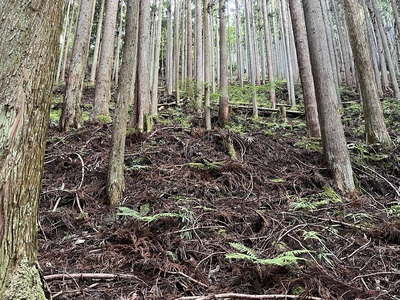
[
  {"x": 189, "y": 40},
  {"x": 27, "y": 73},
  {"x": 141, "y": 118},
  {"x": 119, "y": 42},
  {"x": 199, "y": 54},
  {"x": 268, "y": 48},
  {"x": 334, "y": 143},
  {"x": 97, "y": 44},
  {"x": 71, "y": 111},
  {"x": 239, "y": 47},
  {"x": 102, "y": 95},
  {"x": 176, "y": 51},
  {"x": 68, "y": 39},
  {"x": 223, "y": 113},
  {"x": 169, "y": 52},
  {"x": 115, "y": 179},
  {"x": 375, "y": 127},
  {"x": 207, "y": 63},
  {"x": 286, "y": 40},
  {"x": 303, "y": 58},
  {"x": 67, "y": 28},
  {"x": 154, "y": 93},
  {"x": 386, "y": 50}
]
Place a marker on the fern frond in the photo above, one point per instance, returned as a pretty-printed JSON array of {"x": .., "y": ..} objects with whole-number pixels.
[
  {"x": 126, "y": 211},
  {"x": 243, "y": 249}
]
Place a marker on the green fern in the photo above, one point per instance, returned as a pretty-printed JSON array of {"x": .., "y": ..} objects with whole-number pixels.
[
  {"x": 244, "y": 250},
  {"x": 125, "y": 211},
  {"x": 285, "y": 259}
]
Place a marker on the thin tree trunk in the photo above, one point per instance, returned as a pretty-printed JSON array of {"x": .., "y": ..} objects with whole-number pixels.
[
  {"x": 169, "y": 51},
  {"x": 375, "y": 127},
  {"x": 334, "y": 143},
  {"x": 68, "y": 19},
  {"x": 386, "y": 50},
  {"x": 176, "y": 51},
  {"x": 29, "y": 40},
  {"x": 68, "y": 39},
  {"x": 223, "y": 113},
  {"x": 154, "y": 94},
  {"x": 71, "y": 111},
  {"x": 189, "y": 46},
  {"x": 115, "y": 179},
  {"x": 239, "y": 48},
  {"x": 207, "y": 63},
  {"x": 119, "y": 42},
  {"x": 142, "y": 119},
  {"x": 306, "y": 76},
  {"x": 97, "y": 44},
  {"x": 268, "y": 46},
  {"x": 199, "y": 55},
  {"x": 103, "y": 81}
]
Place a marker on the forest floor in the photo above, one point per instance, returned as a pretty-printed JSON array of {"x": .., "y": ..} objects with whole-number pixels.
[{"x": 268, "y": 224}]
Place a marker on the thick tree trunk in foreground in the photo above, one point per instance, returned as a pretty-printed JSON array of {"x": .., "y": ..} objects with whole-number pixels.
[
  {"x": 71, "y": 111},
  {"x": 375, "y": 127},
  {"x": 303, "y": 58},
  {"x": 27, "y": 70},
  {"x": 115, "y": 180},
  {"x": 333, "y": 139}
]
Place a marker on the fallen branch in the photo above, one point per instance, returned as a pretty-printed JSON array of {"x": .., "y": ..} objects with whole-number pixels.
[
  {"x": 104, "y": 276},
  {"x": 244, "y": 296}
]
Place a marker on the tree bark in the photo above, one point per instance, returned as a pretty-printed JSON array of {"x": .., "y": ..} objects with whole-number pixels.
[
  {"x": 207, "y": 63},
  {"x": 141, "y": 119},
  {"x": 27, "y": 73},
  {"x": 386, "y": 50},
  {"x": 71, "y": 111},
  {"x": 103, "y": 81},
  {"x": 268, "y": 48},
  {"x": 115, "y": 180},
  {"x": 375, "y": 127},
  {"x": 199, "y": 72},
  {"x": 303, "y": 58},
  {"x": 223, "y": 113},
  {"x": 333, "y": 140},
  {"x": 95, "y": 60}
]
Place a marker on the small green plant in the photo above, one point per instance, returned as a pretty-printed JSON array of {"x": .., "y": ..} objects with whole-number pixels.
[
  {"x": 285, "y": 259},
  {"x": 315, "y": 201},
  {"x": 207, "y": 166},
  {"x": 104, "y": 119},
  {"x": 310, "y": 144},
  {"x": 394, "y": 209},
  {"x": 128, "y": 212}
]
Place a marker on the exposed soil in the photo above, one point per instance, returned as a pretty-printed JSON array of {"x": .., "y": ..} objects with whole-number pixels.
[{"x": 273, "y": 199}]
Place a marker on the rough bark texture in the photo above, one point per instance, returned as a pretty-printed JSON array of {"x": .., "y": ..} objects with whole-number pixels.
[
  {"x": 141, "y": 118},
  {"x": 97, "y": 43},
  {"x": 268, "y": 48},
  {"x": 199, "y": 74},
  {"x": 207, "y": 63},
  {"x": 189, "y": 46},
  {"x": 115, "y": 180},
  {"x": 71, "y": 112},
  {"x": 386, "y": 50},
  {"x": 375, "y": 127},
  {"x": 303, "y": 59},
  {"x": 29, "y": 37},
  {"x": 103, "y": 80},
  {"x": 333, "y": 139},
  {"x": 223, "y": 113}
]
